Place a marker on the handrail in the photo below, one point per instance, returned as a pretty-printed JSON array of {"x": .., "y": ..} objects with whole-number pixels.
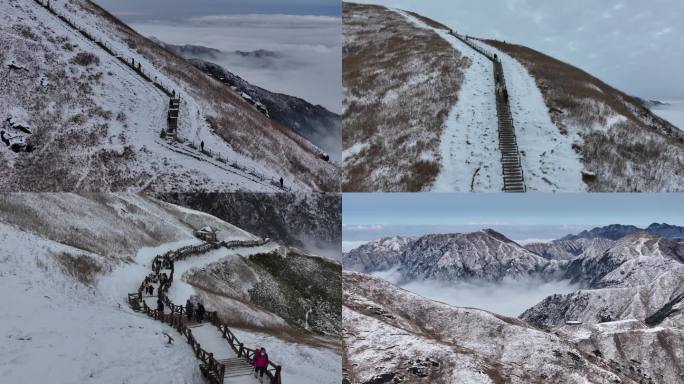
[{"x": 211, "y": 368}]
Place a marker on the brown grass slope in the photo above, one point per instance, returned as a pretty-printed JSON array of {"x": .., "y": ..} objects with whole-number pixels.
[
  {"x": 399, "y": 84},
  {"x": 641, "y": 153}
]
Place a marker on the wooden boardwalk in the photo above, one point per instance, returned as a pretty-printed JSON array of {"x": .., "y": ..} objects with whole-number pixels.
[
  {"x": 513, "y": 177},
  {"x": 223, "y": 358}
]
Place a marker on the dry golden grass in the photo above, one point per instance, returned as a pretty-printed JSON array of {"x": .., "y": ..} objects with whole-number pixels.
[
  {"x": 399, "y": 84},
  {"x": 81, "y": 267}
]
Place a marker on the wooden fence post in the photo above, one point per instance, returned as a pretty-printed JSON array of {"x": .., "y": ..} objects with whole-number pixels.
[{"x": 276, "y": 377}]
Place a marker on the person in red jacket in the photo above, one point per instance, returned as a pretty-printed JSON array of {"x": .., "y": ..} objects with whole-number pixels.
[{"x": 260, "y": 362}]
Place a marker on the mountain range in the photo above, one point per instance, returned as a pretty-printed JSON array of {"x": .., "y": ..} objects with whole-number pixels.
[{"x": 627, "y": 316}]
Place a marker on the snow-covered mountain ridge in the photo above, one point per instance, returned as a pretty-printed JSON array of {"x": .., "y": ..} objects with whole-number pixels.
[{"x": 483, "y": 255}]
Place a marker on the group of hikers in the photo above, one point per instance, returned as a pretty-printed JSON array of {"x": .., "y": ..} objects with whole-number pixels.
[
  {"x": 164, "y": 262},
  {"x": 194, "y": 310},
  {"x": 260, "y": 362},
  {"x": 198, "y": 312}
]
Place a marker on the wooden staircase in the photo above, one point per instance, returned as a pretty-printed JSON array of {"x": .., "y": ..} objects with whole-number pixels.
[
  {"x": 513, "y": 177},
  {"x": 508, "y": 144},
  {"x": 236, "y": 367}
]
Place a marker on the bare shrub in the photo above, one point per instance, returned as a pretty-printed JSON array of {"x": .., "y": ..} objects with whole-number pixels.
[
  {"x": 85, "y": 59},
  {"x": 81, "y": 267}
]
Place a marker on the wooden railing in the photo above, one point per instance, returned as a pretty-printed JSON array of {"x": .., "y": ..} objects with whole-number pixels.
[
  {"x": 130, "y": 62},
  {"x": 210, "y": 367}
]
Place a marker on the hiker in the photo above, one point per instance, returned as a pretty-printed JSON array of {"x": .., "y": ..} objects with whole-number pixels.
[
  {"x": 151, "y": 289},
  {"x": 160, "y": 305},
  {"x": 200, "y": 312},
  {"x": 281, "y": 183},
  {"x": 188, "y": 309},
  {"x": 202, "y": 146},
  {"x": 261, "y": 363},
  {"x": 252, "y": 361},
  {"x": 505, "y": 94}
]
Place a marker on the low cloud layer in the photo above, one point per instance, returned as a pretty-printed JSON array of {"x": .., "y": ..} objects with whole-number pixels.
[
  {"x": 509, "y": 298},
  {"x": 306, "y": 58}
]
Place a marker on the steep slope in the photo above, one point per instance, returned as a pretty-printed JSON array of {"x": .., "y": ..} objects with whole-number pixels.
[
  {"x": 303, "y": 290},
  {"x": 623, "y": 146},
  {"x": 483, "y": 255},
  {"x": 399, "y": 83},
  {"x": 592, "y": 271},
  {"x": 396, "y": 336},
  {"x": 95, "y": 122},
  {"x": 315, "y": 123}
]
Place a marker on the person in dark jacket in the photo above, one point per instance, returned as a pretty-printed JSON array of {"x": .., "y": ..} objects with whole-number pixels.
[
  {"x": 200, "y": 312},
  {"x": 160, "y": 305},
  {"x": 281, "y": 183},
  {"x": 150, "y": 288},
  {"x": 189, "y": 308}
]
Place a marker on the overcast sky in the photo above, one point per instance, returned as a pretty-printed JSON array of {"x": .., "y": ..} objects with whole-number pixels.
[
  {"x": 519, "y": 216},
  {"x": 634, "y": 45},
  {"x": 306, "y": 35},
  {"x": 147, "y": 10}
]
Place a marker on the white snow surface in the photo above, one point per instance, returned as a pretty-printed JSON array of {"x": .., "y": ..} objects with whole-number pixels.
[
  {"x": 470, "y": 142},
  {"x": 60, "y": 331},
  {"x": 549, "y": 162}
]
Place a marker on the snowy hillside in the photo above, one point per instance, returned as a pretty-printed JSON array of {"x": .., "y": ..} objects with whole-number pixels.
[
  {"x": 315, "y": 123},
  {"x": 395, "y": 335},
  {"x": 79, "y": 118},
  {"x": 572, "y": 132},
  {"x": 72, "y": 259},
  {"x": 622, "y": 146}
]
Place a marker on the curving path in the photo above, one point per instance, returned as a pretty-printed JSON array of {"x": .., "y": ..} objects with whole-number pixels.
[{"x": 223, "y": 358}]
